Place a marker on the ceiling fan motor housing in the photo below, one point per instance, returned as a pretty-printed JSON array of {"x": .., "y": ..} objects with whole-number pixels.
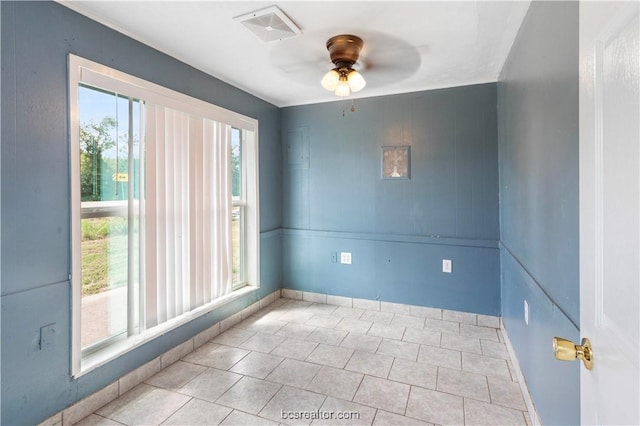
[{"x": 344, "y": 50}]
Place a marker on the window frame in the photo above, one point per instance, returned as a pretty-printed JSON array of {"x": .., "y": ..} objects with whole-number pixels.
[
  {"x": 84, "y": 71},
  {"x": 241, "y": 203}
]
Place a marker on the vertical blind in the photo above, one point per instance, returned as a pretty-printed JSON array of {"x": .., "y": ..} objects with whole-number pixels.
[{"x": 186, "y": 213}]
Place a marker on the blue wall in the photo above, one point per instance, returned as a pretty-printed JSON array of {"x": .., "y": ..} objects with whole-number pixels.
[
  {"x": 398, "y": 231},
  {"x": 538, "y": 134},
  {"x": 36, "y": 38}
]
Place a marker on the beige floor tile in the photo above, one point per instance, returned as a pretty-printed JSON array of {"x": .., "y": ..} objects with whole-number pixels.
[
  {"x": 150, "y": 407},
  {"x": 126, "y": 399},
  {"x": 352, "y": 414},
  {"x": 461, "y": 317},
  {"x": 425, "y": 312},
  {"x": 408, "y": 321},
  {"x": 322, "y": 308},
  {"x": 294, "y": 348},
  {"x": 387, "y": 331},
  {"x": 238, "y": 418},
  {"x": 249, "y": 395},
  {"x": 295, "y": 330},
  {"x": 271, "y": 313},
  {"x": 463, "y": 383},
  {"x": 297, "y": 316},
  {"x": 216, "y": 356},
  {"x": 346, "y": 312},
  {"x": 488, "y": 321},
  {"x": 95, "y": 420},
  {"x": 414, "y": 373},
  {"x": 261, "y": 325},
  {"x": 422, "y": 336},
  {"x": 297, "y": 304},
  {"x": 336, "y": 382},
  {"x": 440, "y": 356},
  {"x": 354, "y": 325},
  {"x": 198, "y": 412},
  {"x": 376, "y": 316},
  {"x": 389, "y": 364},
  {"x": 512, "y": 371},
  {"x": 494, "y": 349},
  {"x": 202, "y": 354},
  {"x": 443, "y": 326},
  {"x": 479, "y": 332},
  {"x": 481, "y": 413},
  {"x": 506, "y": 393},
  {"x": 435, "y": 407},
  {"x": 294, "y": 373},
  {"x": 361, "y": 342},
  {"x": 257, "y": 364},
  {"x": 398, "y": 349},
  {"x": 327, "y": 336},
  {"x": 210, "y": 384},
  {"x": 289, "y": 406},
  {"x": 461, "y": 343},
  {"x": 262, "y": 342},
  {"x": 384, "y": 418},
  {"x": 368, "y": 363},
  {"x": 176, "y": 375},
  {"x": 322, "y": 320},
  {"x": 485, "y": 365},
  {"x": 233, "y": 337},
  {"x": 333, "y": 356},
  {"x": 384, "y": 394}
]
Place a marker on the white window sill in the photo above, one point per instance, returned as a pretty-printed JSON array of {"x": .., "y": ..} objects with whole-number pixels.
[{"x": 103, "y": 356}]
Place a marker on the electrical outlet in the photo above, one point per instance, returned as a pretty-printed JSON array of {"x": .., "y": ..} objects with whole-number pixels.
[
  {"x": 345, "y": 258},
  {"x": 526, "y": 312},
  {"x": 446, "y": 265}
]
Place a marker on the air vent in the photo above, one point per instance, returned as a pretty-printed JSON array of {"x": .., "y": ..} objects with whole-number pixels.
[{"x": 269, "y": 24}]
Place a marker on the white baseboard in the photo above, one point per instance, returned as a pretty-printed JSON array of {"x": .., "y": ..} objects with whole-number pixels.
[{"x": 528, "y": 400}]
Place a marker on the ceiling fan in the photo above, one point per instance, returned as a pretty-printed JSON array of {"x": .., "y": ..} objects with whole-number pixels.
[{"x": 380, "y": 58}]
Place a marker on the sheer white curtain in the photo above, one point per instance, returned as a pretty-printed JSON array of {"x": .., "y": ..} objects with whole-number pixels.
[{"x": 186, "y": 213}]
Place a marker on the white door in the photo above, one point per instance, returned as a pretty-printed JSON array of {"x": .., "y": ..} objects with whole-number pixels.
[{"x": 610, "y": 210}]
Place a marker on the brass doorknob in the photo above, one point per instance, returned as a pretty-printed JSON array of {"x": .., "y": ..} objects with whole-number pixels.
[{"x": 566, "y": 350}]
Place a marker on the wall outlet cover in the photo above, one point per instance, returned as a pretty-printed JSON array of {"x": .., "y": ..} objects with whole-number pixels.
[
  {"x": 47, "y": 336},
  {"x": 446, "y": 266},
  {"x": 345, "y": 258}
]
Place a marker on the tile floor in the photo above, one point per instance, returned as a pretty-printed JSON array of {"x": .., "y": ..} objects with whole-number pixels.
[{"x": 296, "y": 357}]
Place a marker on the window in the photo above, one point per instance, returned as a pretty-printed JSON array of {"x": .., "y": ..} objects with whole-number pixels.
[{"x": 164, "y": 209}]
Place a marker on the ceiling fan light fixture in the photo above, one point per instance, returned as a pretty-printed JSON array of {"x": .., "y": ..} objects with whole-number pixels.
[
  {"x": 344, "y": 50},
  {"x": 356, "y": 81},
  {"x": 342, "y": 89},
  {"x": 330, "y": 80}
]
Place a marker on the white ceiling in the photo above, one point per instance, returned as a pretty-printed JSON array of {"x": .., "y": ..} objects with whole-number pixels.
[{"x": 408, "y": 46}]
